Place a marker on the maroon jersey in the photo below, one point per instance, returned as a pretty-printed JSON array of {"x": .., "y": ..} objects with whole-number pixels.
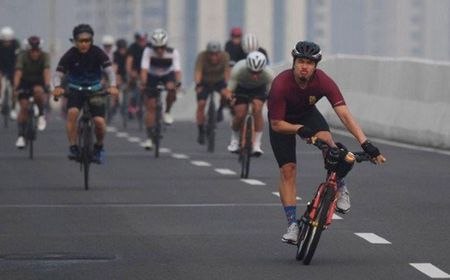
[{"x": 288, "y": 102}]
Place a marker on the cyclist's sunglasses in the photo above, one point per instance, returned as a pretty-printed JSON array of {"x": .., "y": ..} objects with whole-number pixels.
[{"x": 84, "y": 40}]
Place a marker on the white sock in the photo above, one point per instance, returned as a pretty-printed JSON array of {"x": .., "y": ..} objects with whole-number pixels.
[
  {"x": 234, "y": 135},
  {"x": 258, "y": 137}
]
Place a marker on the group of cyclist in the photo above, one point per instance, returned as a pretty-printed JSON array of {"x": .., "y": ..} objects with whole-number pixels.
[{"x": 240, "y": 69}]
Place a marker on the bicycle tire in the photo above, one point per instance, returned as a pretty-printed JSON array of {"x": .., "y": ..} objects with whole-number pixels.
[
  {"x": 86, "y": 153},
  {"x": 140, "y": 112},
  {"x": 5, "y": 108},
  {"x": 321, "y": 218},
  {"x": 157, "y": 133},
  {"x": 248, "y": 145},
  {"x": 211, "y": 125},
  {"x": 30, "y": 132},
  {"x": 124, "y": 109}
]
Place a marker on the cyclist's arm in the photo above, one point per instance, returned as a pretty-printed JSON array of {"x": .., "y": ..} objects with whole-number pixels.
[
  {"x": 350, "y": 123},
  {"x": 177, "y": 66},
  {"x": 109, "y": 71},
  {"x": 57, "y": 79},
  {"x": 129, "y": 65},
  {"x": 145, "y": 64},
  {"x": 284, "y": 127},
  {"x": 198, "y": 74},
  {"x": 227, "y": 67},
  {"x": 17, "y": 78}
]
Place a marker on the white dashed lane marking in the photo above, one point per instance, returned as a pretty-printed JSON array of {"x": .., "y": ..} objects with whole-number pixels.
[
  {"x": 200, "y": 163},
  {"x": 111, "y": 129},
  {"x": 225, "y": 171},
  {"x": 164, "y": 150},
  {"x": 253, "y": 182},
  {"x": 122, "y": 134},
  {"x": 372, "y": 238},
  {"x": 336, "y": 217},
  {"x": 278, "y": 194},
  {"x": 180, "y": 156},
  {"x": 430, "y": 270},
  {"x": 134, "y": 139}
]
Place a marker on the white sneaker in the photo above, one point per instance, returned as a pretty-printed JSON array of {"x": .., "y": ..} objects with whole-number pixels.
[
  {"x": 41, "y": 123},
  {"x": 20, "y": 143},
  {"x": 168, "y": 118},
  {"x": 13, "y": 115},
  {"x": 257, "y": 151},
  {"x": 291, "y": 235},
  {"x": 148, "y": 144},
  {"x": 233, "y": 147},
  {"x": 343, "y": 201}
]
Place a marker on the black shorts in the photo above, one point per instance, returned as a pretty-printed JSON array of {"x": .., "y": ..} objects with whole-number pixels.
[
  {"x": 96, "y": 104},
  {"x": 152, "y": 82},
  {"x": 26, "y": 89},
  {"x": 257, "y": 93},
  {"x": 219, "y": 86},
  {"x": 283, "y": 145}
]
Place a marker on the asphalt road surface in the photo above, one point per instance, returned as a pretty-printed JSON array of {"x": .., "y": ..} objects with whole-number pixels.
[{"x": 187, "y": 215}]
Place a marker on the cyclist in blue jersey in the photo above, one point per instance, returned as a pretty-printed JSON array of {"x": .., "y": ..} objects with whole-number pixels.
[{"x": 82, "y": 66}]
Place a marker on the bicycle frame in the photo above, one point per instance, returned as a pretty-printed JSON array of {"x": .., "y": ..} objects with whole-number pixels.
[{"x": 211, "y": 123}]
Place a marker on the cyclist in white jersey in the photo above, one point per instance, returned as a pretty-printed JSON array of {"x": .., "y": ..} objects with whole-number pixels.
[
  {"x": 252, "y": 78},
  {"x": 159, "y": 63}
]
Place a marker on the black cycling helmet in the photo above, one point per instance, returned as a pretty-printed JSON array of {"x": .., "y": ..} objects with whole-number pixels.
[
  {"x": 121, "y": 43},
  {"x": 308, "y": 50},
  {"x": 82, "y": 28},
  {"x": 34, "y": 42}
]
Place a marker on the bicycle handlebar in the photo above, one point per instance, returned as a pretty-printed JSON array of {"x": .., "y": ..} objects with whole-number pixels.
[
  {"x": 360, "y": 156},
  {"x": 86, "y": 92}
]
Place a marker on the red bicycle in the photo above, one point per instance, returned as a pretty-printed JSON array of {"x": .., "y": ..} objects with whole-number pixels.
[{"x": 319, "y": 212}]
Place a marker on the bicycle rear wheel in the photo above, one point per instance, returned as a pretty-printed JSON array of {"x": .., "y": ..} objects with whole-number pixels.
[
  {"x": 318, "y": 224},
  {"x": 211, "y": 124},
  {"x": 31, "y": 132},
  {"x": 157, "y": 132},
  {"x": 5, "y": 108}
]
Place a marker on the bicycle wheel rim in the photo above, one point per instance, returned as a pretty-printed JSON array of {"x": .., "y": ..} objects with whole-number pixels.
[
  {"x": 86, "y": 153},
  {"x": 211, "y": 133},
  {"x": 248, "y": 144},
  {"x": 321, "y": 218}
]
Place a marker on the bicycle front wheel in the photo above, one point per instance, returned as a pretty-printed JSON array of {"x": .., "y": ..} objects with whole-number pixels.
[
  {"x": 31, "y": 134},
  {"x": 318, "y": 225},
  {"x": 86, "y": 153},
  {"x": 211, "y": 125},
  {"x": 247, "y": 147}
]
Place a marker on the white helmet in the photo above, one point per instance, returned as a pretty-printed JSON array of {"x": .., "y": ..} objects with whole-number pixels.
[
  {"x": 159, "y": 38},
  {"x": 256, "y": 61},
  {"x": 249, "y": 43},
  {"x": 107, "y": 40},
  {"x": 6, "y": 33}
]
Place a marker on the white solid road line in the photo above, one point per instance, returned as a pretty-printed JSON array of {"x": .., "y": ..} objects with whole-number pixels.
[
  {"x": 430, "y": 270},
  {"x": 336, "y": 217},
  {"x": 225, "y": 171},
  {"x": 253, "y": 182},
  {"x": 278, "y": 194},
  {"x": 139, "y": 205},
  {"x": 122, "y": 134},
  {"x": 373, "y": 238},
  {"x": 180, "y": 156},
  {"x": 200, "y": 163}
]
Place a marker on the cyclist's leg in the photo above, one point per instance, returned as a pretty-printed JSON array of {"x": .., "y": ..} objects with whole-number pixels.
[
  {"x": 22, "y": 118},
  {"x": 240, "y": 109},
  {"x": 74, "y": 104},
  {"x": 257, "y": 105},
  {"x": 97, "y": 106},
  {"x": 200, "y": 114},
  {"x": 171, "y": 97}
]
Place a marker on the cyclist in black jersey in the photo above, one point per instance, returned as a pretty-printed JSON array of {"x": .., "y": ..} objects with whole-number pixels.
[{"x": 82, "y": 66}]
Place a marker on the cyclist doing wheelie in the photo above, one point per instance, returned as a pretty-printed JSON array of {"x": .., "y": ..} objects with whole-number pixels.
[
  {"x": 249, "y": 77},
  {"x": 212, "y": 71},
  {"x": 82, "y": 65},
  {"x": 292, "y": 111},
  {"x": 31, "y": 78},
  {"x": 160, "y": 64}
]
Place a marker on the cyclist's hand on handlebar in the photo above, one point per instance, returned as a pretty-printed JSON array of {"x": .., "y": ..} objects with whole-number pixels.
[
  {"x": 57, "y": 92},
  {"x": 305, "y": 132},
  {"x": 227, "y": 94},
  {"x": 113, "y": 91},
  {"x": 373, "y": 152}
]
